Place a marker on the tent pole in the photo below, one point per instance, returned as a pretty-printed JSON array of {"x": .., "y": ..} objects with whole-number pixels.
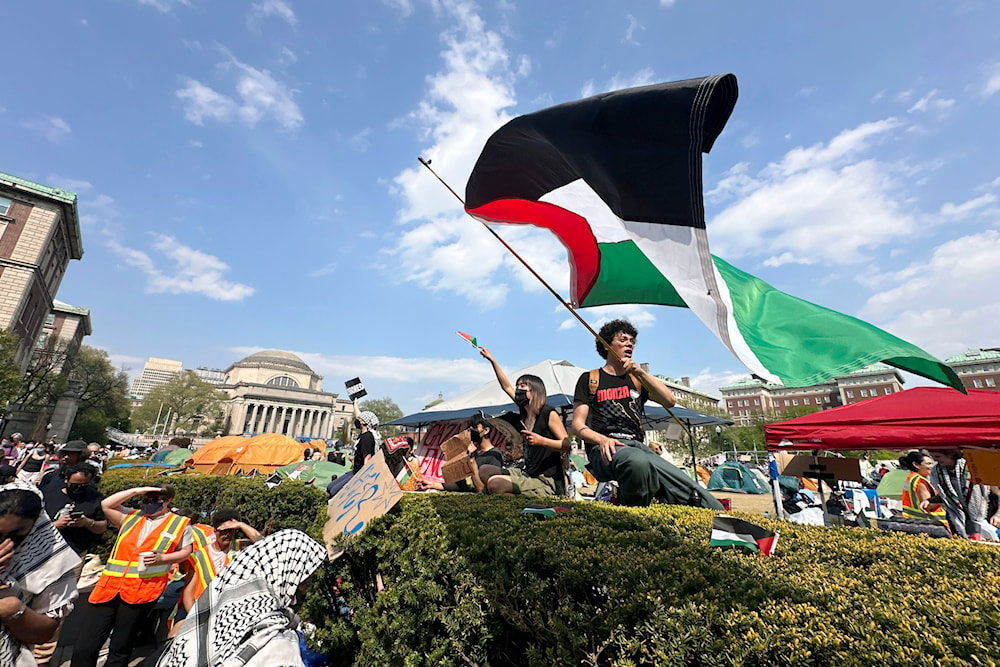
[{"x": 694, "y": 460}]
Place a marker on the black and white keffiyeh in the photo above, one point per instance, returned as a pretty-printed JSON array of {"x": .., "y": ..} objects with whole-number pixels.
[
  {"x": 42, "y": 559},
  {"x": 964, "y": 503},
  {"x": 247, "y": 605}
]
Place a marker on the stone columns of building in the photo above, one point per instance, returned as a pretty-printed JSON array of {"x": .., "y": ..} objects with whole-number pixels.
[
  {"x": 272, "y": 418},
  {"x": 251, "y": 426},
  {"x": 241, "y": 417},
  {"x": 311, "y": 424},
  {"x": 292, "y": 426}
]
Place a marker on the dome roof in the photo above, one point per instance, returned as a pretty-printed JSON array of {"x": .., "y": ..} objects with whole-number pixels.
[{"x": 275, "y": 358}]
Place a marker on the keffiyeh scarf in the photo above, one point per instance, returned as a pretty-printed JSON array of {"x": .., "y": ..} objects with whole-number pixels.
[
  {"x": 247, "y": 605},
  {"x": 964, "y": 502},
  {"x": 39, "y": 561}
]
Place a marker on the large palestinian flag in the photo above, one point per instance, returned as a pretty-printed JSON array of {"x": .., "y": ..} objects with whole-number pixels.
[
  {"x": 617, "y": 178},
  {"x": 729, "y": 531}
]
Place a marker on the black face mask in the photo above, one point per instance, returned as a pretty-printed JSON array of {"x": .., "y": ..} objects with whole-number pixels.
[
  {"x": 521, "y": 399},
  {"x": 76, "y": 490},
  {"x": 476, "y": 436},
  {"x": 357, "y": 423}
]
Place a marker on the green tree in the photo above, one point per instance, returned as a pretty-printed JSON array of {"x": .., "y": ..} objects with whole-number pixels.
[
  {"x": 46, "y": 377},
  {"x": 386, "y": 410},
  {"x": 190, "y": 402},
  {"x": 103, "y": 394},
  {"x": 10, "y": 373}
]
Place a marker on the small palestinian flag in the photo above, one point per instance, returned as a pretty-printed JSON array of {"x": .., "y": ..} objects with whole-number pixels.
[
  {"x": 470, "y": 339},
  {"x": 544, "y": 512},
  {"x": 863, "y": 520},
  {"x": 729, "y": 531},
  {"x": 408, "y": 476}
]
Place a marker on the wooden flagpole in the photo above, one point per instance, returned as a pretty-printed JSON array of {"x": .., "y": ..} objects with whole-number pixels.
[{"x": 566, "y": 304}]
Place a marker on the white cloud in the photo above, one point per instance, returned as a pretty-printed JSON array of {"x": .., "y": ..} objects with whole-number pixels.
[
  {"x": 667, "y": 3},
  {"x": 359, "y": 141},
  {"x": 394, "y": 369},
  {"x": 404, "y": 7},
  {"x": 276, "y": 8},
  {"x": 52, "y": 128},
  {"x": 194, "y": 143},
  {"x": 962, "y": 210},
  {"x": 287, "y": 56},
  {"x": 257, "y": 95},
  {"x": 639, "y": 315},
  {"x": 942, "y": 304},
  {"x": 819, "y": 204},
  {"x": 643, "y": 77},
  {"x": 633, "y": 25},
  {"x": 165, "y": 5},
  {"x": 72, "y": 184},
  {"x": 932, "y": 102},
  {"x": 992, "y": 84},
  {"x": 193, "y": 271}
]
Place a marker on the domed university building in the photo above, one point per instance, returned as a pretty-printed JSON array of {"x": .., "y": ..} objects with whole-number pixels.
[{"x": 273, "y": 391}]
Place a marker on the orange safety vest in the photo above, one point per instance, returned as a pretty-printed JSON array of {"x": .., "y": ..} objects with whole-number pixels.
[
  {"x": 204, "y": 569},
  {"x": 121, "y": 575},
  {"x": 911, "y": 499},
  {"x": 201, "y": 534}
]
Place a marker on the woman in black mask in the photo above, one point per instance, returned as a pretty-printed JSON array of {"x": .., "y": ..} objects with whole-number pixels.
[
  {"x": 76, "y": 508},
  {"x": 545, "y": 440}
]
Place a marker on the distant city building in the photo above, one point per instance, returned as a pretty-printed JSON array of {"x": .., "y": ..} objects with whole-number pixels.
[
  {"x": 749, "y": 397},
  {"x": 273, "y": 391},
  {"x": 213, "y": 376},
  {"x": 692, "y": 399},
  {"x": 978, "y": 369},
  {"x": 39, "y": 235},
  {"x": 156, "y": 372}
]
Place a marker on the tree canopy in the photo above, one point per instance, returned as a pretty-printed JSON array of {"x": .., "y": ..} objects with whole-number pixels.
[
  {"x": 10, "y": 374},
  {"x": 185, "y": 403},
  {"x": 386, "y": 410},
  {"x": 103, "y": 394}
]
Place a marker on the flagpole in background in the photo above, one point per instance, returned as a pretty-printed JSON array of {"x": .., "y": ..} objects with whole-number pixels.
[{"x": 566, "y": 305}]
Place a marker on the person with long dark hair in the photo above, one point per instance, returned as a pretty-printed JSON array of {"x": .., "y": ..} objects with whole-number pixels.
[
  {"x": 544, "y": 436},
  {"x": 920, "y": 500}
]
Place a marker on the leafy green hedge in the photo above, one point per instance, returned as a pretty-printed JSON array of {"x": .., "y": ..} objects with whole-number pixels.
[
  {"x": 289, "y": 505},
  {"x": 468, "y": 580}
]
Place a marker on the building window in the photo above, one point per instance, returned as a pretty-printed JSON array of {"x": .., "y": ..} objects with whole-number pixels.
[
  {"x": 786, "y": 402},
  {"x": 990, "y": 382},
  {"x": 850, "y": 394},
  {"x": 864, "y": 393},
  {"x": 827, "y": 399},
  {"x": 888, "y": 390},
  {"x": 756, "y": 401},
  {"x": 978, "y": 384},
  {"x": 282, "y": 381},
  {"x": 4, "y": 205}
]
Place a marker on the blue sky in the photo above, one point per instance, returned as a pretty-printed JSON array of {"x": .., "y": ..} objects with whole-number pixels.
[{"x": 248, "y": 179}]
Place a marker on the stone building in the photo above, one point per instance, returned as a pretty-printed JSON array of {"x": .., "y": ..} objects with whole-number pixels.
[
  {"x": 978, "y": 369},
  {"x": 155, "y": 373},
  {"x": 273, "y": 391},
  {"x": 39, "y": 235},
  {"x": 749, "y": 397}
]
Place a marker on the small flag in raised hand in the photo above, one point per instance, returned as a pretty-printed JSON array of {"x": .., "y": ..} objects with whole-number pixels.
[
  {"x": 729, "y": 531},
  {"x": 469, "y": 339}
]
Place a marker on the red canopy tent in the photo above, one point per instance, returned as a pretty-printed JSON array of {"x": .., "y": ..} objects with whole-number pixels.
[{"x": 922, "y": 417}]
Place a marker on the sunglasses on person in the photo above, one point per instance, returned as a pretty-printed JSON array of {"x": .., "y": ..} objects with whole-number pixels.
[
  {"x": 75, "y": 488},
  {"x": 152, "y": 498}
]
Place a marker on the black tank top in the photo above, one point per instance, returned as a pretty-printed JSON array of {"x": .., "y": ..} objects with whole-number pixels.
[
  {"x": 32, "y": 464},
  {"x": 543, "y": 460}
]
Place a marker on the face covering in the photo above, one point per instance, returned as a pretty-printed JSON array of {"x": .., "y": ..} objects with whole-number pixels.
[
  {"x": 357, "y": 423},
  {"x": 76, "y": 490},
  {"x": 151, "y": 508},
  {"x": 39, "y": 450},
  {"x": 521, "y": 398},
  {"x": 476, "y": 436}
]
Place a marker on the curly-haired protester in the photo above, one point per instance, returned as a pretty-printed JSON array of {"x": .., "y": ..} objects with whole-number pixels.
[
  {"x": 608, "y": 405},
  {"x": 37, "y": 578},
  {"x": 244, "y": 617}
]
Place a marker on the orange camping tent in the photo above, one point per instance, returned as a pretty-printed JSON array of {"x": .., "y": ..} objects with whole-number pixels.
[
  {"x": 208, "y": 455},
  {"x": 266, "y": 452}
]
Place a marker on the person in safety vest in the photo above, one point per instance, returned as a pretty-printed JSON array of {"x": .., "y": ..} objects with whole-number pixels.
[
  {"x": 205, "y": 563},
  {"x": 150, "y": 540},
  {"x": 920, "y": 500}
]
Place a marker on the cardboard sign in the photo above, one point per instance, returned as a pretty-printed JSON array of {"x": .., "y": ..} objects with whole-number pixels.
[
  {"x": 456, "y": 470},
  {"x": 983, "y": 465},
  {"x": 456, "y": 446},
  {"x": 371, "y": 493},
  {"x": 355, "y": 389}
]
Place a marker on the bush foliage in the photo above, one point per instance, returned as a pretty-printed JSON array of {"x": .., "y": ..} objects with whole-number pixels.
[{"x": 449, "y": 579}]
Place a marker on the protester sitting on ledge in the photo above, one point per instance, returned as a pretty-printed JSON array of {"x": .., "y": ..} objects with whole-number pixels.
[{"x": 482, "y": 454}]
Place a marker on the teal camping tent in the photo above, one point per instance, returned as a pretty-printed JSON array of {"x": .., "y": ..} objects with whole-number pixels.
[{"x": 734, "y": 476}]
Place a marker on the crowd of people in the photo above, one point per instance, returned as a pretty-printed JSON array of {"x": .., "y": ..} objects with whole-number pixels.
[{"x": 168, "y": 565}]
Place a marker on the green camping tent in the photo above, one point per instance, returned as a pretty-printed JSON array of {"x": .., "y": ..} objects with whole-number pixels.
[
  {"x": 736, "y": 477},
  {"x": 322, "y": 471},
  {"x": 892, "y": 484}
]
